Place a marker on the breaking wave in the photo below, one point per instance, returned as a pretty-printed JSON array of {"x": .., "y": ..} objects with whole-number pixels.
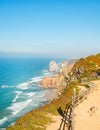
[
  {"x": 17, "y": 96},
  {"x": 2, "y": 121},
  {"x": 4, "y": 86},
  {"x": 17, "y": 107}
]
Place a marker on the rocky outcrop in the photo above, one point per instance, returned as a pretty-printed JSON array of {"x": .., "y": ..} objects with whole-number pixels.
[
  {"x": 53, "y": 67},
  {"x": 62, "y": 79},
  {"x": 46, "y": 82},
  {"x": 54, "y": 81},
  {"x": 66, "y": 69},
  {"x": 73, "y": 70}
]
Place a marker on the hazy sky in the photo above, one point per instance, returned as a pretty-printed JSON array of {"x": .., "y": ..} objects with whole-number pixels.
[{"x": 69, "y": 28}]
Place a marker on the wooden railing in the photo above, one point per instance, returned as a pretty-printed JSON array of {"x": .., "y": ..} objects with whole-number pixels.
[
  {"x": 67, "y": 122},
  {"x": 78, "y": 98}
]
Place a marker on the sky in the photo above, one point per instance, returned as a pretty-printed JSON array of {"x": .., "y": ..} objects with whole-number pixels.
[{"x": 59, "y": 28}]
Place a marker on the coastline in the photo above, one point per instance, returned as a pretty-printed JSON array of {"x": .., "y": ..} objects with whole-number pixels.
[
  {"x": 47, "y": 109},
  {"x": 41, "y": 117},
  {"x": 52, "y": 94},
  {"x": 19, "y": 90},
  {"x": 44, "y": 110}
]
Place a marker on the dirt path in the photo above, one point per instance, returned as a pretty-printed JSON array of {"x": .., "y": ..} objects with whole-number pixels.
[
  {"x": 55, "y": 125},
  {"x": 87, "y": 114}
]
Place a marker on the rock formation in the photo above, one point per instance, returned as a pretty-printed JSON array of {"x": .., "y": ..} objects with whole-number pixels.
[
  {"x": 53, "y": 67},
  {"x": 54, "y": 81},
  {"x": 61, "y": 79},
  {"x": 70, "y": 71}
]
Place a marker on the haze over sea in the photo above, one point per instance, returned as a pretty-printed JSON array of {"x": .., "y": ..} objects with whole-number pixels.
[{"x": 19, "y": 91}]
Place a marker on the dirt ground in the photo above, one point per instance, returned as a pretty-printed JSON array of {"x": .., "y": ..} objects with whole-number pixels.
[{"x": 87, "y": 113}]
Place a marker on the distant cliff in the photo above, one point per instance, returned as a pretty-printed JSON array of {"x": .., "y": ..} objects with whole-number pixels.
[
  {"x": 59, "y": 79},
  {"x": 74, "y": 70},
  {"x": 53, "y": 67}
]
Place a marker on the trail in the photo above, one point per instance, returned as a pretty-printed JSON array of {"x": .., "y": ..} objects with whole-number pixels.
[{"x": 87, "y": 113}]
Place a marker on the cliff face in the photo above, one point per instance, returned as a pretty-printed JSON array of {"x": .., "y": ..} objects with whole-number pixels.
[
  {"x": 83, "y": 69},
  {"x": 59, "y": 79},
  {"x": 66, "y": 69},
  {"x": 54, "y": 81},
  {"x": 53, "y": 67}
]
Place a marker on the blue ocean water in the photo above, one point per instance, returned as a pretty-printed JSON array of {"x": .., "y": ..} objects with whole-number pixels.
[{"x": 19, "y": 90}]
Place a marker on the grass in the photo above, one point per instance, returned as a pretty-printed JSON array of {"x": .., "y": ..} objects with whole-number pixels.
[
  {"x": 38, "y": 119},
  {"x": 89, "y": 62}
]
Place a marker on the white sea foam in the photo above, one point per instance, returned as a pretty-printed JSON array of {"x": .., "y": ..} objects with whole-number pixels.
[
  {"x": 17, "y": 107},
  {"x": 24, "y": 85},
  {"x": 36, "y": 79},
  {"x": 39, "y": 95},
  {"x": 2, "y": 121},
  {"x": 45, "y": 71},
  {"x": 48, "y": 74},
  {"x": 4, "y": 86},
  {"x": 27, "y": 85},
  {"x": 31, "y": 94},
  {"x": 17, "y": 96}
]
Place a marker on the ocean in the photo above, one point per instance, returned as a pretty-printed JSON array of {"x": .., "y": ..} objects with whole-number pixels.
[{"x": 19, "y": 88}]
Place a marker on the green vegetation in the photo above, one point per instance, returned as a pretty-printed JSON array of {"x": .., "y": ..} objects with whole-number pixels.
[
  {"x": 38, "y": 119},
  {"x": 90, "y": 64},
  {"x": 86, "y": 85}
]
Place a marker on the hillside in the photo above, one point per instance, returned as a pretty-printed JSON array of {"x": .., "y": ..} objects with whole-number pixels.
[
  {"x": 38, "y": 119},
  {"x": 88, "y": 67}
]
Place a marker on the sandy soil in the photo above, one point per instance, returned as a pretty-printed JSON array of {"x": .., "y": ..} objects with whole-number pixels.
[
  {"x": 87, "y": 113},
  {"x": 55, "y": 124}
]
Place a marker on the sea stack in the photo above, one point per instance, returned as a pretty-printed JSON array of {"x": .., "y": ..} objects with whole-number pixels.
[{"x": 53, "y": 67}]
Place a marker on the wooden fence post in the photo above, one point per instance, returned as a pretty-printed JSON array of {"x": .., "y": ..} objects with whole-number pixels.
[{"x": 73, "y": 106}]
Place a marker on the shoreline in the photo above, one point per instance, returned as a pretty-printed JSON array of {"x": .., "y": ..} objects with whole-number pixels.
[
  {"x": 40, "y": 116},
  {"x": 49, "y": 107},
  {"x": 44, "y": 108},
  {"x": 50, "y": 96}
]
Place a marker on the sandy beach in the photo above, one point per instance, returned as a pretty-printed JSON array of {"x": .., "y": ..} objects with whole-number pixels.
[{"x": 87, "y": 113}]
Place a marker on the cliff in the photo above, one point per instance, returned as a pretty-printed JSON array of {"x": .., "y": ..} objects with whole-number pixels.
[
  {"x": 54, "y": 81},
  {"x": 38, "y": 118},
  {"x": 75, "y": 70},
  {"x": 87, "y": 68},
  {"x": 53, "y": 67},
  {"x": 59, "y": 79}
]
